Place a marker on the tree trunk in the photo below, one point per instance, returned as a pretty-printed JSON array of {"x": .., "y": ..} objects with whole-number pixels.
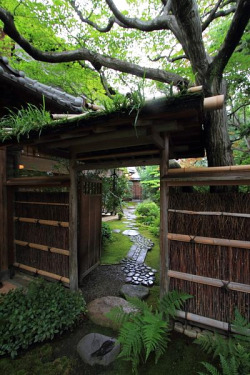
[{"x": 217, "y": 142}]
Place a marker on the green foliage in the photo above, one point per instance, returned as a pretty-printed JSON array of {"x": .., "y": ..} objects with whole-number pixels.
[
  {"x": 234, "y": 352},
  {"x": 37, "y": 315},
  {"x": 106, "y": 233},
  {"x": 25, "y": 120},
  {"x": 149, "y": 215},
  {"x": 145, "y": 331}
]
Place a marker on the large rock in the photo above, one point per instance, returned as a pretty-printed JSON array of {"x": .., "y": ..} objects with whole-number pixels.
[
  {"x": 138, "y": 291},
  {"x": 98, "y": 308},
  {"x": 96, "y": 349}
]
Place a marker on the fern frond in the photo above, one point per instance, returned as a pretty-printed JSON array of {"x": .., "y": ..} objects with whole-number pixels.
[
  {"x": 139, "y": 304},
  {"x": 229, "y": 366},
  {"x": 210, "y": 368},
  {"x": 173, "y": 301},
  {"x": 241, "y": 326},
  {"x": 153, "y": 332},
  {"x": 131, "y": 340},
  {"x": 216, "y": 344},
  {"x": 118, "y": 315}
]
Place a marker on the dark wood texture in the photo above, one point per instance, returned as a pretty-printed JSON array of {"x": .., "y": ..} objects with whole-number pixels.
[
  {"x": 73, "y": 227},
  {"x": 3, "y": 214},
  {"x": 90, "y": 216}
]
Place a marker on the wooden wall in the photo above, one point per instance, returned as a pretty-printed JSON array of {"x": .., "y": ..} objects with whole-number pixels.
[{"x": 3, "y": 215}]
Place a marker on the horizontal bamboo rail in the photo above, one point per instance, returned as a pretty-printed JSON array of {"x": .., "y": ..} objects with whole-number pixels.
[
  {"x": 54, "y": 276},
  {"x": 39, "y": 181},
  {"x": 42, "y": 247},
  {"x": 53, "y": 223},
  {"x": 230, "y": 285},
  {"x": 43, "y": 203},
  {"x": 183, "y": 171},
  {"x": 209, "y": 241},
  {"x": 210, "y": 213}
]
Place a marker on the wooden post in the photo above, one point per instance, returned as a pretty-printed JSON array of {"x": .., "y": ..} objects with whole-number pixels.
[
  {"x": 73, "y": 227},
  {"x": 3, "y": 216},
  {"x": 164, "y": 198}
]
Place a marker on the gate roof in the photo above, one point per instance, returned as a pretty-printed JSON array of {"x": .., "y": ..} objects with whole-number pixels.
[{"x": 125, "y": 137}]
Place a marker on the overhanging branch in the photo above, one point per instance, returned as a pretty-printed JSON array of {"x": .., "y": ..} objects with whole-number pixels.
[{"x": 96, "y": 59}]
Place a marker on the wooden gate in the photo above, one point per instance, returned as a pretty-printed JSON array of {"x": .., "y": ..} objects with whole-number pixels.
[
  {"x": 89, "y": 235},
  {"x": 41, "y": 230}
]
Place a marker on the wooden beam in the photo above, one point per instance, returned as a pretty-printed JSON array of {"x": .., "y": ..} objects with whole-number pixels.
[
  {"x": 119, "y": 163},
  {"x": 3, "y": 214},
  {"x": 73, "y": 227},
  {"x": 120, "y": 155},
  {"x": 164, "y": 199}
]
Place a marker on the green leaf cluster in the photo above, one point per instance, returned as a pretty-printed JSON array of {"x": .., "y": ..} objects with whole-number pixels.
[
  {"x": 145, "y": 331},
  {"x": 148, "y": 213},
  {"x": 37, "y": 314},
  {"x": 19, "y": 123},
  {"x": 234, "y": 352}
]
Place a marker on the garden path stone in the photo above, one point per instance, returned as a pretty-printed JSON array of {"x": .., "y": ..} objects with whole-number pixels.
[
  {"x": 98, "y": 308},
  {"x": 130, "y": 232},
  {"x": 97, "y": 349},
  {"x": 138, "y": 291},
  {"x": 116, "y": 230}
]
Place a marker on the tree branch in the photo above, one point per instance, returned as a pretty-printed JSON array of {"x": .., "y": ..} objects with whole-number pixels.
[
  {"x": 211, "y": 15},
  {"x": 234, "y": 34},
  {"x": 169, "y": 59},
  {"x": 96, "y": 59},
  {"x": 160, "y": 22},
  {"x": 93, "y": 24}
]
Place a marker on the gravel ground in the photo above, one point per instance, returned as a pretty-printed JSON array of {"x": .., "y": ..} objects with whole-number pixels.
[{"x": 105, "y": 280}]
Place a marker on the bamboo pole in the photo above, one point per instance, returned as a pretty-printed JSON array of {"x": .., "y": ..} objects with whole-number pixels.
[
  {"x": 54, "y": 276},
  {"x": 164, "y": 199},
  {"x": 39, "y": 181},
  {"x": 42, "y": 247},
  {"x": 210, "y": 213},
  {"x": 43, "y": 203},
  {"x": 53, "y": 223},
  {"x": 244, "y": 288},
  {"x": 209, "y": 241},
  {"x": 183, "y": 171},
  {"x": 213, "y": 102}
]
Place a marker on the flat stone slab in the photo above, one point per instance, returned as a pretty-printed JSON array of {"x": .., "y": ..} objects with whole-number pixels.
[
  {"x": 116, "y": 230},
  {"x": 98, "y": 308},
  {"x": 138, "y": 291},
  {"x": 130, "y": 232},
  {"x": 97, "y": 349}
]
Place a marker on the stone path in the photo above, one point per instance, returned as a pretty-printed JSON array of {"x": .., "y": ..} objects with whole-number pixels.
[{"x": 137, "y": 272}]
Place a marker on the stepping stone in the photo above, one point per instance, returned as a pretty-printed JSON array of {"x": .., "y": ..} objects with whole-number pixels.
[
  {"x": 138, "y": 291},
  {"x": 130, "y": 232},
  {"x": 116, "y": 230},
  {"x": 97, "y": 349},
  {"x": 98, "y": 308}
]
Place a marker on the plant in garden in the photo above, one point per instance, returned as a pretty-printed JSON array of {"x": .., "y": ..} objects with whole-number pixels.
[
  {"x": 106, "y": 232},
  {"x": 149, "y": 214},
  {"x": 24, "y": 121},
  {"x": 37, "y": 314},
  {"x": 234, "y": 352},
  {"x": 145, "y": 331}
]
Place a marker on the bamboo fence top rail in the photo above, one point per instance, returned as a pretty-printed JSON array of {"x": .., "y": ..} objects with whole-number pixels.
[
  {"x": 53, "y": 223},
  {"x": 43, "y": 203},
  {"x": 209, "y": 241},
  {"x": 62, "y": 279},
  {"x": 39, "y": 181},
  {"x": 210, "y": 213},
  {"x": 42, "y": 247},
  {"x": 229, "y": 285},
  {"x": 180, "y": 171}
]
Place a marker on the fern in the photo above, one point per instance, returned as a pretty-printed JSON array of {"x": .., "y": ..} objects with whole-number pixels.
[
  {"x": 234, "y": 352},
  {"x": 145, "y": 331},
  {"x": 173, "y": 301},
  {"x": 211, "y": 369}
]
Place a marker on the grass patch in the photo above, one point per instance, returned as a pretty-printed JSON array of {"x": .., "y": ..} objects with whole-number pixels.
[{"x": 114, "y": 250}]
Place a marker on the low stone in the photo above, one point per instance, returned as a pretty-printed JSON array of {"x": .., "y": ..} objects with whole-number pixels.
[
  {"x": 98, "y": 308},
  {"x": 190, "y": 333},
  {"x": 178, "y": 327},
  {"x": 116, "y": 230},
  {"x": 138, "y": 291},
  {"x": 130, "y": 232},
  {"x": 128, "y": 279},
  {"x": 97, "y": 349}
]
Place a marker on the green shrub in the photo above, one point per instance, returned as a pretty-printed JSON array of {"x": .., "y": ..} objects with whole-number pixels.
[
  {"x": 145, "y": 331},
  {"x": 148, "y": 212},
  {"x": 106, "y": 232},
  {"x": 37, "y": 314}
]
